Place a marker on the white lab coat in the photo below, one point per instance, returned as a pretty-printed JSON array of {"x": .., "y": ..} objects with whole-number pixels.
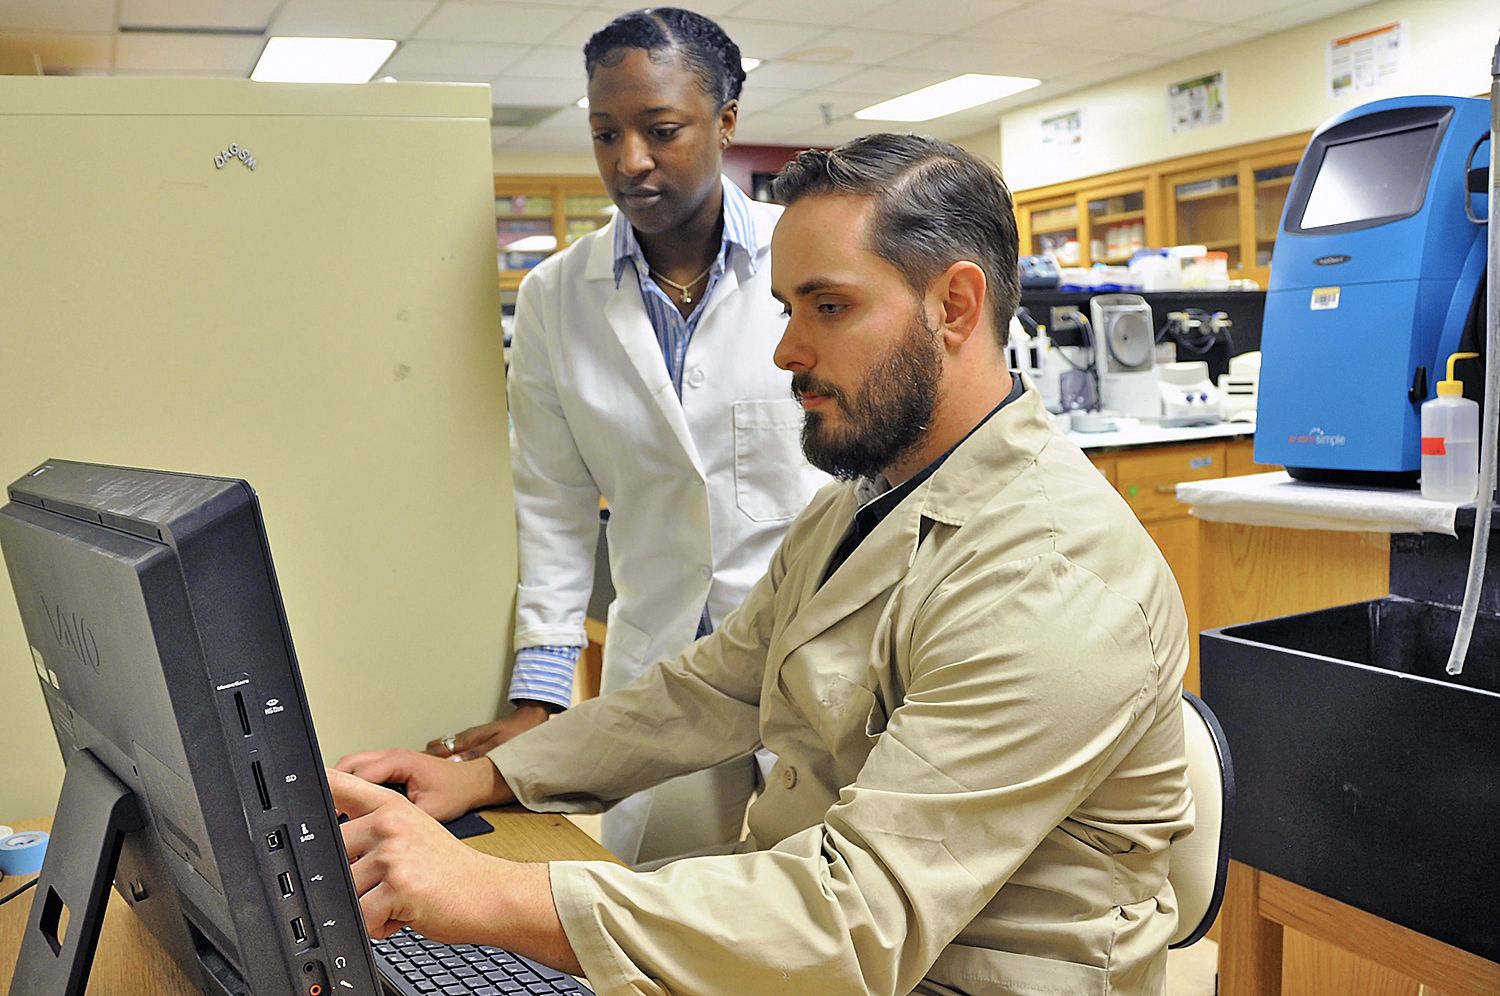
[{"x": 699, "y": 491}]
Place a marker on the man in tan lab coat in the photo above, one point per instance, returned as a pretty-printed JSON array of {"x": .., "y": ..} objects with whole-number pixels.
[{"x": 968, "y": 659}]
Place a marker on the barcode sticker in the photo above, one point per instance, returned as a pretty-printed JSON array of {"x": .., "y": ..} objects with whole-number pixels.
[{"x": 1324, "y": 298}]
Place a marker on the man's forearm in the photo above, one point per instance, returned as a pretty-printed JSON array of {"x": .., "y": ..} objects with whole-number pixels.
[{"x": 524, "y": 918}]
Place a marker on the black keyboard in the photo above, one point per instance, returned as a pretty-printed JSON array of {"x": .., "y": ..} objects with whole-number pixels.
[{"x": 413, "y": 964}]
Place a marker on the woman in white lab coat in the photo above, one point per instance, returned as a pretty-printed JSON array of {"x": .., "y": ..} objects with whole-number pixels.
[{"x": 641, "y": 371}]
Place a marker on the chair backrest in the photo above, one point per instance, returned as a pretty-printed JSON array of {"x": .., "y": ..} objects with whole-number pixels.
[{"x": 1200, "y": 860}]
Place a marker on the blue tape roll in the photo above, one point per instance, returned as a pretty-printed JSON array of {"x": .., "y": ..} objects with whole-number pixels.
[{"x": 22, "y": 853}]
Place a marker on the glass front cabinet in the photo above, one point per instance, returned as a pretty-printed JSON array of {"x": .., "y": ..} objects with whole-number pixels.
[{"x": 1227, "y": 201}]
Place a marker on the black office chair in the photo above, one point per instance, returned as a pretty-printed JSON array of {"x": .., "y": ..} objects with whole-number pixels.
[{"x": 1200, "y": 860}]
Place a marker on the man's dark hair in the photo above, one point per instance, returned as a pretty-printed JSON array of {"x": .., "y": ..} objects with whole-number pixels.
[
  {"x": 701, "y": 43},
  {"x": 935, "y": 204}
]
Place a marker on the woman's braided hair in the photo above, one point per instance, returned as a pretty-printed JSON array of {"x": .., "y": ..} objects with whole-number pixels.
[{"x": 701, "y": 43}]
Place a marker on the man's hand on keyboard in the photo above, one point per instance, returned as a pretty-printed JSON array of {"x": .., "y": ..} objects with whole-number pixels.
[
  {"x": 408, "y": 870},
  {"x": 441, "y": 788}
]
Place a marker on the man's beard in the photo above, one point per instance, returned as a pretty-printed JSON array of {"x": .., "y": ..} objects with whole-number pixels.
[{"x": 886, "y": 418}]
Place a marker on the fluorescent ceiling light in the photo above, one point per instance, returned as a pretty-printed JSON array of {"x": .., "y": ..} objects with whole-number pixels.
[
  {"x": 947, "y": 97},
  {"x": 321, "y": 60},
  {"x": 746, "y": 64}
]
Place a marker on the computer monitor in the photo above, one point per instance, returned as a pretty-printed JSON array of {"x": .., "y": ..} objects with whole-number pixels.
[
  {"x": 194, "y": 780},
  {"x": 1379, "y": 177}
]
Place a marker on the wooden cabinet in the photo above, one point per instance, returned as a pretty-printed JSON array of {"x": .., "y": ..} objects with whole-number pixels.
[
  {"x": 1093, "y": 223},
  {"x": 1148, "y": 479},
  {"x": 1229, "y": 200},
  {"x": 1270, "y": 181},
  {"x": 537, "y": 215},
  {"x": 1233, "y": 207},
  {"x": 1115, "y": 222},
  {"x": 1051, "y": 227},
  {"x": 1205, "y": 210}
]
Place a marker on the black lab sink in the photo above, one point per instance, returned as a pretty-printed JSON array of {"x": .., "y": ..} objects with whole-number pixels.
[{"x": 1365, "y": 772}]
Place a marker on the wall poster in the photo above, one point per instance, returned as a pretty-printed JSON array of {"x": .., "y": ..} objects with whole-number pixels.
[
  {"x": 1197, "y": 103},
  {"x": 1062, "y": 131},
  {"x": 1367, "y": 60}
]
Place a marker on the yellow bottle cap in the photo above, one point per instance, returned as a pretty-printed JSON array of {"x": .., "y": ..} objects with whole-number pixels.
[{"x": 1453, "y": 388}]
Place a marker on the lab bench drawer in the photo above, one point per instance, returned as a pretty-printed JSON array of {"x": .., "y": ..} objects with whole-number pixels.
[{"x": 1148, "y": 481}]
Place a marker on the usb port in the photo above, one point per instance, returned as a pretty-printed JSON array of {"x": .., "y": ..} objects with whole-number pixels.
[
  {"x": 260, "y": 785},
  {"x": 274, "y": 840},
  {"x": 299, "y": 930},
  {"x": 285, "y": 880},
  {"x": 239, "y": 707}
]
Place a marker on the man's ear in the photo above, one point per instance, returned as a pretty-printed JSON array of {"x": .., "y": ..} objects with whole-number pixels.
[{"x": 960, "y": 294}]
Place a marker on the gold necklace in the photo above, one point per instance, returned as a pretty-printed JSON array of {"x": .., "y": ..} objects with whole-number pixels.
[{"x": 683, "y": 289}]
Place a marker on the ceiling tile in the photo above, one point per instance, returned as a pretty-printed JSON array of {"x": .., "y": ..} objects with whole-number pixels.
[
  {"x": 57, "y": 15},
  {"x": 500, "y": 135},
  {"x": 840, "y": 105},
  {"x": 804, "y": 75},
  {"x": 63, "y": 54},
  {"x": 578, "y": 30},
  {"x": 1219, "y": 13},
  {"x": 755, "y": 98},
  {"x": 772, "y": 128},
  {"x": 213, "y": 14},
  {"x": 857, "y": 47},
  {"x": 997, "y": 57},
  {"x": 765, "y": 39},
  {"x": 1091, "y": 27},
  {"x": 532, "y": 92},
  {"x": 942, "y": 17},
  {"x": 1302, "y": 13},
  {"x": 511, "y": 23},
  {"x": 1150, "y": 33},
  {"x": 887, "y": 81},
  {"x": 709, "y": 8},
  {"x": 1207, "y": 41},
  {"x": 803, "y": 12},
  {"x": 429, "y": 57},
  {"x": 341, "y": 19},
  {"x": 551, "y": 62},
  {"x": 232, "y": 55},
  {"x": 1087, "y": 74},
  {"x": 571, "y": 120}
]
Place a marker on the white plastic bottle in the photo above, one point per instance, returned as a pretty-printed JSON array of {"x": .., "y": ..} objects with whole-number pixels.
[{"x": 1450, "y": 441}]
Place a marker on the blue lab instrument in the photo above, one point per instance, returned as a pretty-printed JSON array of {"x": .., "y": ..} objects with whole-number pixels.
[{"x": 1377, "y": 269}]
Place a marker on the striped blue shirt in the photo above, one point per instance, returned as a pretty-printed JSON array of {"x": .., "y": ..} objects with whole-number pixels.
[
  {"x": 545, "y": 674},
  {"x": 674, "y": 332}
]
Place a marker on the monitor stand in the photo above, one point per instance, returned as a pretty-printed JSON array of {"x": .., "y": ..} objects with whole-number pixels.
[{"x": 94, "y": 814}]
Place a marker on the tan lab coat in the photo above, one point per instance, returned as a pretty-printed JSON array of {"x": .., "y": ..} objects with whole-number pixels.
[{"x": 981, "y": 756}]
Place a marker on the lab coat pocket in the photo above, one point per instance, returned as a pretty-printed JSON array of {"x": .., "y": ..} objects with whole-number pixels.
[
  {"x": 844, "y": 721},
  {"x": 767, "y": 443}
]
